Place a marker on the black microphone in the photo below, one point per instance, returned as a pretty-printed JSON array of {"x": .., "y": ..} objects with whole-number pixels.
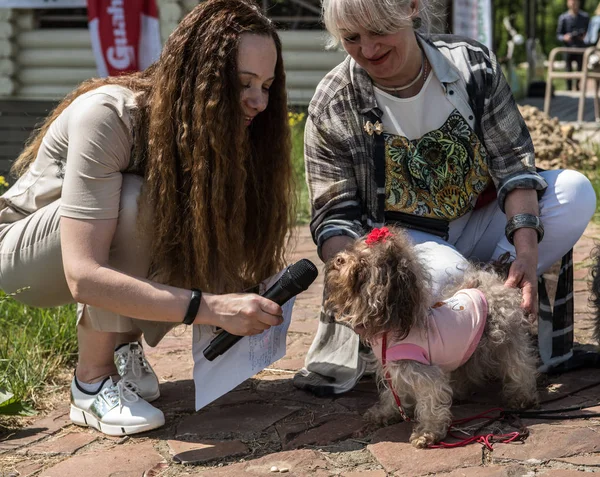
[{"x": 295, "y": 279}]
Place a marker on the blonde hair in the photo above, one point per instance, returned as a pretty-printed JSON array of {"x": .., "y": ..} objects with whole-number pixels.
[{"x": 382, "y": 16}]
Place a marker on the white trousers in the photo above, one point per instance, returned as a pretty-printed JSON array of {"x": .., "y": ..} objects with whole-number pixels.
[{"x": 565, "y": 210}]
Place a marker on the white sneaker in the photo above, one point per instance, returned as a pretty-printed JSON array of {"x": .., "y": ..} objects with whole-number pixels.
[
  {"x": 132, "y": 366},
  {"x": 116, "y": 409}
]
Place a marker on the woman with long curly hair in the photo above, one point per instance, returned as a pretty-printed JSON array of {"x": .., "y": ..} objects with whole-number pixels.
[{"x": 142, "y": 190}]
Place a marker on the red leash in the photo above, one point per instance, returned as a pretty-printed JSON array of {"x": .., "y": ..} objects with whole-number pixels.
[
  {"x": 389, "y": 380},
  {"x": 487, "y": 440}
]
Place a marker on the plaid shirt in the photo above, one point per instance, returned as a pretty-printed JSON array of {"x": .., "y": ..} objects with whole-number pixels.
[{"x": 339, "y": 153}]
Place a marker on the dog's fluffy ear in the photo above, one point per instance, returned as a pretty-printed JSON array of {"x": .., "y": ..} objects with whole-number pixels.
[
  {"x": 500, "y": 266},
  {"x": 406, "y": 299},
  {"x": 353, "y": 271},
  {"x": 345, "y": 275}
]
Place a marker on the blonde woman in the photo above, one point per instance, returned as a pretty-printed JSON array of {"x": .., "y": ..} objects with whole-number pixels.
[
  {"x": 422, "y": 131},
  {"x": 151, "y": 200}
]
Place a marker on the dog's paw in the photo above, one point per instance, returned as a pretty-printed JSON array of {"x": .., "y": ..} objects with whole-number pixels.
[{"x": 422, "y": 440}]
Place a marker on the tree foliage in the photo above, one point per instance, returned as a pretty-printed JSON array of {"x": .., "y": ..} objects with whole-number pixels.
[{"x": 546, "y": 19}]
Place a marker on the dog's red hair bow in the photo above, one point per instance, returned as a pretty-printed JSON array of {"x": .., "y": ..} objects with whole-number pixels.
[{"x": 378, "y": 235}]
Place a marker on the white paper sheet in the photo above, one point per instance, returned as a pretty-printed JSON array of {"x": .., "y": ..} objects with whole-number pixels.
[{"x": 243, "y": 360}]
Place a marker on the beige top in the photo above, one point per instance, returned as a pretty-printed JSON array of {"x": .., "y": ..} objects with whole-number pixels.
[{"x": 80, "y": 160}]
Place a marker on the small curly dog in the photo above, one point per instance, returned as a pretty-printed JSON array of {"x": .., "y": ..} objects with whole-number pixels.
[{"x": 430, "y": 354}]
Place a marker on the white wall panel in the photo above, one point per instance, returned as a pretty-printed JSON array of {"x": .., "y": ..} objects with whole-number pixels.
[
  {"x": 7, "y": 67},
  {"x": 188, "y": 5},
  {"x": 6, "y": 14},
  {"x": 294, "y": 40},
  {"x": 170, "y": 12},
  {"x": 7, "y": 86},
  {"x": 56, "y": 57},
  {"x": 43, "y": 92},
  {"x": 300, "y": 96},
  {"x": 312, "y": 60},
  {"x": 303, "y": 78},
  {"x": 25, "y": 20},
  {"x": 60, "y": 38},
  {"x": 6, "y": 29},
  {"x": 7, "y": 48},
  {"x": 55, "y": 76},
  {"x": 51, "y": 62}
]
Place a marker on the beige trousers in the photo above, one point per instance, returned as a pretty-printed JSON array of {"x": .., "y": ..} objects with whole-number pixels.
[{"x": 31, "y": 258}]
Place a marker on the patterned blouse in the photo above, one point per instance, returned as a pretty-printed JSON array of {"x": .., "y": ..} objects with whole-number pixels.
[{"x": 344, "y": 193}]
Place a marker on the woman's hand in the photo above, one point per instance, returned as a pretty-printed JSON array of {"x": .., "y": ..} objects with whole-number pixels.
[
  {"x": 523, "y": 271},
  {"x": 523, "y": 275},
  {"x": 243, "y": 314}
]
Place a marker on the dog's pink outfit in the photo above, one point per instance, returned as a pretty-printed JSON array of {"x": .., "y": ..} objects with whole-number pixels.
[{"x": 454, "y": 328}]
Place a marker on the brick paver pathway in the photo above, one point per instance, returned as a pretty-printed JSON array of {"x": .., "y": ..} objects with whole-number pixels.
[{"x": 267, "y": 427}]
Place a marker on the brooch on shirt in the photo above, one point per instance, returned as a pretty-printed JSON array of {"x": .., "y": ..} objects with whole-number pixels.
[{"x": 371, "y": 128}]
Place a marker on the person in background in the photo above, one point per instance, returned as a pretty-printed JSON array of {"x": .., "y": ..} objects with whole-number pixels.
[
  {"x": 153, "y": 199},
  {"x": 421, "y": 131},
  {"x": 571, "y": 31},
  {"x": 591, "y": 37}
]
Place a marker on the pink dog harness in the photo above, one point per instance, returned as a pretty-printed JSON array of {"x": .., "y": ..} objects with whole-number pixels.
[{"x": 454, "y": 328}]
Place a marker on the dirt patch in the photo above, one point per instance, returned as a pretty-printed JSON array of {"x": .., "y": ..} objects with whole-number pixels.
[
  {"x": 555, "y": 145},
  {"x": 344, "y": 460}
]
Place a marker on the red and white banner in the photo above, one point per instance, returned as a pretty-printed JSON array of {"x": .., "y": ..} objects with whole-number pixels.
[{"x": 125, "y": 35}]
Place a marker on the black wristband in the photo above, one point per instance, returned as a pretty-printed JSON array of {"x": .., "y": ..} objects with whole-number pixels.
[
  {"x": 520, "y": 221},
  {"x": 192, "y": 311}
]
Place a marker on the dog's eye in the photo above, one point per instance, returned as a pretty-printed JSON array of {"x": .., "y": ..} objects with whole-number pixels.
[{"x": 340, "y": 261}]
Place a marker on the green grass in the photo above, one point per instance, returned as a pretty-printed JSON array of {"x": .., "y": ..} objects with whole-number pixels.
[
  {"x": 593, "y": 174},
  {"x": 35, "y": 345},
  {"x": 594, "y": 177},
  {"x": 297, "y": 121},
  {"x": 596, "y": 184}
]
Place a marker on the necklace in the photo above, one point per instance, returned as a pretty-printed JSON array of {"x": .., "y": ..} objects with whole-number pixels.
[{"x": 395, "y": 89}]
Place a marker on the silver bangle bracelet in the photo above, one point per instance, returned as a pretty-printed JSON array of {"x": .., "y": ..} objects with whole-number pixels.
[{"x": 520, "y": 221}]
